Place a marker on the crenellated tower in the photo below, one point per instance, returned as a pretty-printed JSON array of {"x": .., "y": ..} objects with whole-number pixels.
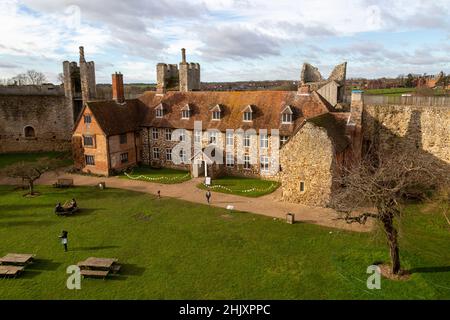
[
  {"x": 79, "y": 83},
  {"x": 189, "y": 74}
]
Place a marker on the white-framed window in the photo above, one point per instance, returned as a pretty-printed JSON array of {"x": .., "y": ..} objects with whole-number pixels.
[
  {"x": 213, "y": 137},
  {"x": 286, "y": 118},
  {"x": 169, "y": 154},
  {"x": 283, "y": 139},
  {"x": 156, "y": 153},
  {"x": 247, "y": 139},
  {"x": 183, "y": 156},
  {"x": 216, "y": 115},
  {"x": 124, "y": 157},
  {"x": 182, "y": 135},
  {"x": 302, "y": 186},
  {"x": 168, "y": 134},
  {"x": 248, "y": 116},
  {"x": 264, "y": 163},
  {"x": 155, "y": 133},
  {"x": 247, "y": 161},
  {"x": 185, "y": 114},
  {"x": 197, "y": 136},
  {"x": 263, "y": 141},
  {"x": 230, "y": 138},
  {"x": 90, "y": 160},
  {"x": 159, "y": 111},
  {"x": 229, "y": 159}
]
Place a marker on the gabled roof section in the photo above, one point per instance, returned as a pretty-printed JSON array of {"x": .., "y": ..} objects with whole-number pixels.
[
  {"x": 217, "y": 107},
  {"x": 115, "y": 118},
  {"x": 287, "y": 110},
  {"x": 159, "y": 107},
  {"x": 248, "y": 108},
  {"x": 186, "y": 107},
  {"x": 335, "y": 127}
]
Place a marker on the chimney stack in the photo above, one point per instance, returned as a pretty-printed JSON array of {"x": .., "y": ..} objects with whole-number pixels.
[
  {"x": 183, "y": 55},
  {"x": 117, "y": 88},
  {"x": 82, "y": 59}
]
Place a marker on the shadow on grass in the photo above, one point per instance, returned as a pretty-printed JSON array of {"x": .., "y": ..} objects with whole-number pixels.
[
  {"x": 30, "y": 274},
  {"x": 94, "y": 248},
  {"x": 43, "y": 265},
  {"x": 430, "y": 269},
  {"x": 128, "y": 269}
]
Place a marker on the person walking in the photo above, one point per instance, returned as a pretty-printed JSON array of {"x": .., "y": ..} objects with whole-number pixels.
[
  {"x": 208, "y": 196},
  {"x": 64, "y": 240}
]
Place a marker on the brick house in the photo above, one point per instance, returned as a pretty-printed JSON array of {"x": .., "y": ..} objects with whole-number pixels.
[{"x": 241, "y": 128}]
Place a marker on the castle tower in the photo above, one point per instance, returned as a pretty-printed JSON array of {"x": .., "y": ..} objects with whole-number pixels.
[
  {"x": 167, "y": 77},
  {"x": 189, "y": 74},
  {"x": 87, "y": 76},
  {"x": 79, "y": 83}
]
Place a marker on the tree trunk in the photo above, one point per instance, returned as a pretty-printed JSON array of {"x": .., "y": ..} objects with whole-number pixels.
[
  {"x": 31, "y": 186},
  {"x": 391, "y": 234}
]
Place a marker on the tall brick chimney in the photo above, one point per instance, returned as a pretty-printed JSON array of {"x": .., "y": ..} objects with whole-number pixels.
[
  {"x": 183, "y": 55},
  {"x": 117, "y": 88}
]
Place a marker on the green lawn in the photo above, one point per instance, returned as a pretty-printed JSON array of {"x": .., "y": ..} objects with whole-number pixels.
[
  {"x": 248, "y": 187},
  {"x": 390, "y": 92},
  {"x": 159, "y": 175},
  {"x": 7, "y": 159},
  {"x": 171, "y": 249}
]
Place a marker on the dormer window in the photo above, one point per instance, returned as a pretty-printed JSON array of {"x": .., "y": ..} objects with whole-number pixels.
[
  {"x": 186, "y": 112},
  {"x": 248, "y": 114},
  {"x": 286, "y": 115},
  {"x": 159, "y": 111},
  {"x": 216, "y": 112}
]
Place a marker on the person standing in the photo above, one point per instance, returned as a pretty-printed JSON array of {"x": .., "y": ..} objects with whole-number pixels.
[
  {"x": 208, "y": 196},
  {"x": 64, "y": 239}
]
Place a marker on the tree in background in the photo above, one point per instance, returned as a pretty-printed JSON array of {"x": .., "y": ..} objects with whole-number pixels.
[
  {"x": 29, "y": 172},
  {"x": 31, "y": 77},
  {"x": 409, "y": 82}
]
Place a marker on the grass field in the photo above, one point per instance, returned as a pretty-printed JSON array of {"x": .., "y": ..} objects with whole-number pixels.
[
  {"x": 172, "y": 249},
  {"x": 390, "y": 92},
  {"x": 248, "y": 187},
  {"x": 7, "y": 159},
  {"x": 162, "y": 175}
]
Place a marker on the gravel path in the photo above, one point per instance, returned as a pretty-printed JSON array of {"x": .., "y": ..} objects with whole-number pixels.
[{"x": 268, "y": 205}]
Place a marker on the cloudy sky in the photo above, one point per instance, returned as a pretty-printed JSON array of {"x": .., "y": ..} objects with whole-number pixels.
[{"x": 231, "y": 39}]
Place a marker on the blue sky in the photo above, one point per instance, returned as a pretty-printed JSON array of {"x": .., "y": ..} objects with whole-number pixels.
[{"x": 232, "y": 39}]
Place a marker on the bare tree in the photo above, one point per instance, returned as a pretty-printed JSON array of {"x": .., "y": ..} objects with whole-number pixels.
[
  {"x": 35, "y": 77},
  {"x": 61, "y": 78},
  {"x": 19, "y": 80},
  {"x": 29, "y": 172},
  {"x": 382, "y": 183}
]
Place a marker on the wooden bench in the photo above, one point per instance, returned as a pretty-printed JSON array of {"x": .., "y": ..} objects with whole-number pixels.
[
  {"x": 10, "y": 271},
  {"x": 94, "y": 273},
  {"x": 64, "y": 183}
]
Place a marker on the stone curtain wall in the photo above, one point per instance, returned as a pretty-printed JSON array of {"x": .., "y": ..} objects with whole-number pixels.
[
  {"x": 49, "y": 116},
  {"x": 411, "y": 129},
  {"x": 309, "y": 157}
]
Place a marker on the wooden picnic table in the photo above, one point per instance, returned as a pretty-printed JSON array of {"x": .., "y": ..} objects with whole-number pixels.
[
  {"x": 10, "y": 271},
  {"x": 98, "y": 267},
  {"x": 93, "y": 262},
  {"x": 16, "y": 258}
]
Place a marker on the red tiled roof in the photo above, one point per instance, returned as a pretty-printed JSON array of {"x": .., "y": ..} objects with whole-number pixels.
[{"x": 267, "y": 107}]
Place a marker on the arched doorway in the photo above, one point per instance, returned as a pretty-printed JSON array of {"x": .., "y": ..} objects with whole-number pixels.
[{"x": 29, "y": 132}]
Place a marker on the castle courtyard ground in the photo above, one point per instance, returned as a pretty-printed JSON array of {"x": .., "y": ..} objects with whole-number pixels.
[
  {"x": 175, "y": 249},
  {"x": 268, "y": 205}
]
